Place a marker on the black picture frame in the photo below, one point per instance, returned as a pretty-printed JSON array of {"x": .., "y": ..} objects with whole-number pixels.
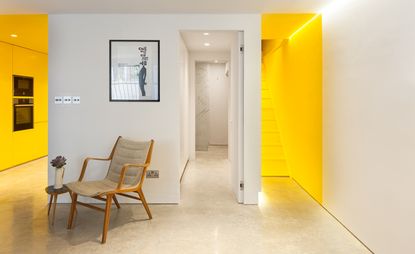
[{"x": 134, "y": 70}]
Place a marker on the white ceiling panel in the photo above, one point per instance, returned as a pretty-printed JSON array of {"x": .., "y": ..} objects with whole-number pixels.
[
  {"x": 218, "y": 41},
  {"x": 161, "y": 6}
]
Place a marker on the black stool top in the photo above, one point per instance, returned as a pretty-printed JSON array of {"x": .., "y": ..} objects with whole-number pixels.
[{"x": 51, "y": 190}]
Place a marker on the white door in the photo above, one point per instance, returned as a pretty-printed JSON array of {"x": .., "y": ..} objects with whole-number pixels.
[{"x": 236, "y": 120}]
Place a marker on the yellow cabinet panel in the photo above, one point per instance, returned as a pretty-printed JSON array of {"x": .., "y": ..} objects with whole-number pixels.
[
  {"x": 26, "y": 145},
  {"x": 34, "y": 64},
  {"x": 6, "y": 116}
]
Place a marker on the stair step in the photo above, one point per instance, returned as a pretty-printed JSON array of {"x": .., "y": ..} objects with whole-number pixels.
[
  {"x": 273, "y": 151},
  {"x": 271, "y": 137},
  {"x": 268, "y": 114},
  {"x": 275, "y": 158},
  {"x": 267, "y": 103},
  {"x": 269, "y": 126},
  {"x": 265, "y": 94},
  {"x": 274, "y": 168},
  {"x": 271, "y": 142}
]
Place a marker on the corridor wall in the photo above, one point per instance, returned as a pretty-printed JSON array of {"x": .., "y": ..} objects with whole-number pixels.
[{"x": 369, "y": 123}]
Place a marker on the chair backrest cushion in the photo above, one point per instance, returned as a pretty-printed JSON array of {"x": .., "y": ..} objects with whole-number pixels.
[{"x": 132, "y": 152}]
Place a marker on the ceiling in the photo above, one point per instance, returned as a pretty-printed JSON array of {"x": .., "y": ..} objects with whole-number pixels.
[
  {"x": 161, "y": 6},
  {"x": 219, "y": 41},
  {"x": 32, "y": 29}
]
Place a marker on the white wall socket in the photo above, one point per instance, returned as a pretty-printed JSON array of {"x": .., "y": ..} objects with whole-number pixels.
[
  {"x": 76, "y": 99},
  {"x": 58, "y": 99},
  {"x": 67, "y": 99}
]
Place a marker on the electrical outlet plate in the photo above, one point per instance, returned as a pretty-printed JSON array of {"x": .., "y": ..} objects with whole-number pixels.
[
  {"x": 67, "y": 99},
  {"x": 152, "y": 174},
  {"x": 76, "y": 99},
  {"x": 58, "y": 99}
]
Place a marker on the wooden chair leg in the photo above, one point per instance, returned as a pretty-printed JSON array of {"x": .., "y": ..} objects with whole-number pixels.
[
  {"x": 50, "y": 203},
  {"x": 116, "y": 201},
  {"x": 143, "y": 200},
  {"x": 72, "y": 211},
  {"x": 107, "y": 217}
]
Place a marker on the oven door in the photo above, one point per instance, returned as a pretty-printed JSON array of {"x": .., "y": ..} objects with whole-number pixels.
[{"x": 23, "y": 117}]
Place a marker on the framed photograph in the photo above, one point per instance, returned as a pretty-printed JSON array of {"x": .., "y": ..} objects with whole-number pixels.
[{"x": 135, "y": 70}]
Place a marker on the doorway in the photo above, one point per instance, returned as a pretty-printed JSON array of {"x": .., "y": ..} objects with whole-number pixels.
[{"x": 212, "y": 99}]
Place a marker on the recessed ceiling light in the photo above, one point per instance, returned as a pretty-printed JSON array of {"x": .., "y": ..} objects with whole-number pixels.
[
  {"x": 205, "y": 33},
  {"x": 207, "y": 44},
  {"x": 216, "y": 61},
  {"x": 13, "y": 35}
]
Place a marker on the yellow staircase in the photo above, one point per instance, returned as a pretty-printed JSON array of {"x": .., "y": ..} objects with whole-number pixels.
[{"x": 273, "y": 158}]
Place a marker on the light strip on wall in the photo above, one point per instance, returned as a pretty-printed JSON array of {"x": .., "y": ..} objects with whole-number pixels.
[
  {"x": 303, "y": 26},
  {"x": 335, "y": 5}
]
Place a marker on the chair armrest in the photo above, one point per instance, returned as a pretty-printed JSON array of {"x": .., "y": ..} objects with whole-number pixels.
[
  {"x": 84, "y": 166},
  {"x": 124, "y": 168}
]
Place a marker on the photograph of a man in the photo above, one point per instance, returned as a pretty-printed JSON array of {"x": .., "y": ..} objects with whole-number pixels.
[{"x": 142, "y": 74}]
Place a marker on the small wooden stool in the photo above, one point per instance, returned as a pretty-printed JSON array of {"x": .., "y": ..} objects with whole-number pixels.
[{"x": 54, "y": 196}]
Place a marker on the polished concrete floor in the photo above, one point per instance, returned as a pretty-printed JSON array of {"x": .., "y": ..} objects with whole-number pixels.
[{"x": 208, "y": 220}]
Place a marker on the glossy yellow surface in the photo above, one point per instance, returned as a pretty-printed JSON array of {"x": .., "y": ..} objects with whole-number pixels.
[
  {"x": 22, "y": 146},
  {"x": 6, "y": 116},
  {"x": 273, "y": 158},
  {"x": 282, "y": 26},
  {"x": 293, "y": 71}
]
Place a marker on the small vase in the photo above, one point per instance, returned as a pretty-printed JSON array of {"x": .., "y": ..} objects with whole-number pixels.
[{"x": 58, "y": 178}]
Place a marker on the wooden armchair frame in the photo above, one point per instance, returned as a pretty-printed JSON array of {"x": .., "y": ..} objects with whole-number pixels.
[{"x": 110, "y": 196}]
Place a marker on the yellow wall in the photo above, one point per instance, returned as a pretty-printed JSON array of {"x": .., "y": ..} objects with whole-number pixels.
[
  {"x": 297, "y": 91},
  {"x": 281, "y": 26},
  {"x": 22, "y": 146}
]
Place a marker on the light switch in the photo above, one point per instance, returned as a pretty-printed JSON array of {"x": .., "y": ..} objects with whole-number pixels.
[
  {"x": 67, "y": 99},
  {"x": 58, "y": 99},
  {"x": 76, "y": 99}
]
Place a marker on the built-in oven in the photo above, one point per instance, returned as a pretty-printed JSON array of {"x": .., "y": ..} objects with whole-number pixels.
[{"x": 23, "y": 113}]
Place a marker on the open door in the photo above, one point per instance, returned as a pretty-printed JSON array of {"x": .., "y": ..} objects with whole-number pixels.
[{"x": 236, "y": 120}]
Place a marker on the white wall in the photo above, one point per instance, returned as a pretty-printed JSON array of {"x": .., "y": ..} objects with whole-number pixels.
[
  {"x": 369, "y": 120},
  {"x": 184, "y": 105},
  {"x": 218, "y": 101},
  {"x": 79, "y": 63}
]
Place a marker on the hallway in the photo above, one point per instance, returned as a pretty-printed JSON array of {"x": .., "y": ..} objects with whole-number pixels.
[{"x": 208, "y": 220}]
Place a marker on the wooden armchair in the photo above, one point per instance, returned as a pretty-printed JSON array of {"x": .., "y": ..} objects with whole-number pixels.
[{"x": 126, "y": 173}]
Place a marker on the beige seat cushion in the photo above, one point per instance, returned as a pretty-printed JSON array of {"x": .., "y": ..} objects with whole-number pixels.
[{"x": 93, "y": 188}]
